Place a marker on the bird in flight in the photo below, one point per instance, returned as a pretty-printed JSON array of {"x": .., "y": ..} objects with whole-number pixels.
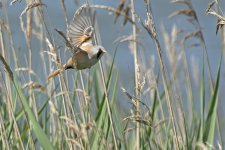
[{"x": 80, "y": 40}]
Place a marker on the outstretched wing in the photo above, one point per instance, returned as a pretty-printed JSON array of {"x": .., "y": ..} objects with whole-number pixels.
[{"x": 81, "y": 28}]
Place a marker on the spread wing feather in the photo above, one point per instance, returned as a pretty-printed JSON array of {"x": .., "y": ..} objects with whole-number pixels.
[{"x": 81, "y": 28}]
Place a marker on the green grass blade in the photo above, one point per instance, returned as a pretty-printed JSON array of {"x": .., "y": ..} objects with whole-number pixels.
[
  {"x": 41, "y": 136},
  {"x": 202, "y": 101},
  {"x": 210, "y": 123}
]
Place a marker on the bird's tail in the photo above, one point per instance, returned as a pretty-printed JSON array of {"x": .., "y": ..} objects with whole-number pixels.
[{"x": 56, "y": 72}]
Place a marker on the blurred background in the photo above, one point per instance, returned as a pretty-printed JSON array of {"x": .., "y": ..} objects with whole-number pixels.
[
  {"x": 171, "y": 30},
  {"x": 110, "y": 32}
]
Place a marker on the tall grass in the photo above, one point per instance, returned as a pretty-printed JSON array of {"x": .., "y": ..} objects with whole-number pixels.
[{"x": 82, "y": 109}]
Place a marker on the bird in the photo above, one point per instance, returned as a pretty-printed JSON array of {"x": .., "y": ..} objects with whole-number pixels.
[{"x": 80, "y": 40}]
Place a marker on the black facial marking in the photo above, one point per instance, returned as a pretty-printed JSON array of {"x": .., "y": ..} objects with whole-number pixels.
[{"x": 99, "y": 53}]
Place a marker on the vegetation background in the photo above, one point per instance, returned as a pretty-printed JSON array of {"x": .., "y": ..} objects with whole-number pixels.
[{"x": 160, "y": 85}]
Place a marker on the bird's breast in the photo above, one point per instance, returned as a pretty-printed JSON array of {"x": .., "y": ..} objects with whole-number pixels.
[{"x": 83, "y": 61}]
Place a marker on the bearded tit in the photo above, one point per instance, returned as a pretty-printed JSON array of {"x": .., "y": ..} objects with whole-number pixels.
[{"x": 80, "y": 39}]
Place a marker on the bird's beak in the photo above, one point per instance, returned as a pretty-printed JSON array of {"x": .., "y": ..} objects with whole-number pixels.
[{"x": 103, "y": 50}]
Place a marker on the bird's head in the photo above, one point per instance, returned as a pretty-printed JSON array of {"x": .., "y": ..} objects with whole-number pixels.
[{"x": 100, "y": 51}]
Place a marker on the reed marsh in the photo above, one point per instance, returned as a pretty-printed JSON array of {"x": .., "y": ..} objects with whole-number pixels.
[{"x": 159, "y": 86}]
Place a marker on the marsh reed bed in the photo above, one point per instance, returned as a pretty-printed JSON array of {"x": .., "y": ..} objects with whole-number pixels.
[{"x": 173, "y": 104}]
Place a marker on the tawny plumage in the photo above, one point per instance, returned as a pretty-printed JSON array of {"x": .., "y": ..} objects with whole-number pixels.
[{"x": 80, "y": 41}]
